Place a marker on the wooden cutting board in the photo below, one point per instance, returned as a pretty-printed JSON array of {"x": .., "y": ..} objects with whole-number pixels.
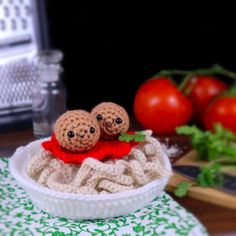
[{"x": 205, "y": 194}]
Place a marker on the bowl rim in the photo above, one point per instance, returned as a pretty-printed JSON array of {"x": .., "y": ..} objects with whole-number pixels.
[{"x": 28, "y": 183}]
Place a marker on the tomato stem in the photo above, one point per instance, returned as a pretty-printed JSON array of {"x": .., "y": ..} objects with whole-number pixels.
[
  {"x": 213, "y": 70},
  {"x": 216, "y": 69},
  {"x": 184, "y": 82},
  {"x": 172, "y": 72},
  {"x": 221, "y": 70},
  {"x": 231, "y": 92}
]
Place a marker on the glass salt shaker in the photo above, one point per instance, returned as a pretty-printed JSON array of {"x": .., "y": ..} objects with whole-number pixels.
[{"x": 48, "y": 93}]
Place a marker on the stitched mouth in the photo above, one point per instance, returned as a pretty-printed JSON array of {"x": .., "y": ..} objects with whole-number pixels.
[
  {"x": 109, "y": 125},
  {"x": 81, "y": 136}
]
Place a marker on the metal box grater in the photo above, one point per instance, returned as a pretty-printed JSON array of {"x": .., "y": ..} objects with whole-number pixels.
[{"x": 20, "y": 39}]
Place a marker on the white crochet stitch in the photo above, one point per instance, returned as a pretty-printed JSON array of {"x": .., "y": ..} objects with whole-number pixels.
[{"x": 141, "y": 166}]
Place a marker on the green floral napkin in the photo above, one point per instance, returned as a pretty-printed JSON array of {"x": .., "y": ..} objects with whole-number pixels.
[{"x": 18, "y": 216}]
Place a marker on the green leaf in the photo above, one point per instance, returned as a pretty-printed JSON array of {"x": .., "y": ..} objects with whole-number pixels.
[
  {"x": 137, "y": 137},
  {"x": 211, "y": 176},
  {"x": 211, "y": 145},
  {"x": 137, "y": 228},
  {"x": 58, "y": 233},
  {"x": 182, "y": 188},
  {"x": 188, "y": 130}
]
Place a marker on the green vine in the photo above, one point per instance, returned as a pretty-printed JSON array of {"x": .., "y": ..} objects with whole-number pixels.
[{"x": 216, "y": 69}]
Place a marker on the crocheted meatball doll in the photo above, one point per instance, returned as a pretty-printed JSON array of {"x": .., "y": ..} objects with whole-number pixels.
[
  {"x": 77, "y": 130},
  {"x": 112, "y": 119},
  {"x": 77, "y": 135}
]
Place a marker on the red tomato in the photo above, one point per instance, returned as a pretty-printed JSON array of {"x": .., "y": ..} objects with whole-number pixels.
[
  {"x": 202, "y": 90},
  {"x": 222, "y": 110},
  {"x": 158, "y": 105}
]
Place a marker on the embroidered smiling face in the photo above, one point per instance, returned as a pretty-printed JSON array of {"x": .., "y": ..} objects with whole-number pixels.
[
  {"x": 112, "y": 119},
  {"x": 77, "y": 130}
]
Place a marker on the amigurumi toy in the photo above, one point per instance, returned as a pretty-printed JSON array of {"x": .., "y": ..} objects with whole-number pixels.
[
  {"x": 112, "y": 119},
  {"x": 77, "y": 130}
]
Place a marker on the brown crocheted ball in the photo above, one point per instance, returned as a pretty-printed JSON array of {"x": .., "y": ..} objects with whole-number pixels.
[
  {"x": 77, "y": 130},
  {"x": 112, "y": 119}
]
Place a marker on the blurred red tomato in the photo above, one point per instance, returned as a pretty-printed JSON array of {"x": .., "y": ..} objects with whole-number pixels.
[
  {"x": 158, "y": 105},
  {"x": 222, "y": 110},
  {"x": 202, "y": 90}
]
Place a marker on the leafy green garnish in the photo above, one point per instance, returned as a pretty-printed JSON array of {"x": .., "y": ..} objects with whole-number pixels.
[
  {"x": 217, "y": 148},
  {"x": 210, "y": 176},
  {"x": 137, "y": 137},
  {"x": 182, "y": 188},
  {"x": 211, "y": 145}
]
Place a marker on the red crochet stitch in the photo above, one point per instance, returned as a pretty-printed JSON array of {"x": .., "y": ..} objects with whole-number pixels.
[{"x": 113, "y": 149}]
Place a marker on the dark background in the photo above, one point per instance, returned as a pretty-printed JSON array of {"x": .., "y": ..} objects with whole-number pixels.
[{"x": 111, "y": 49}]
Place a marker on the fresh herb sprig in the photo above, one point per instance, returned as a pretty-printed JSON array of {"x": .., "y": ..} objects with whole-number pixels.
[
  {"x": 217, "y": 148},
  {"x": 218, "y": 145},
  {"x": 137, "y": 137},
  {"x": 182, "y": 188}
]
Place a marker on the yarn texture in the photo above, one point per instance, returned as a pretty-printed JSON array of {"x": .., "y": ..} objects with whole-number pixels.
[
  {"x": 139, "y": 167},
  {"x": 77, "y": 130},
  {"x": 112, "y": 119},
  {"x": 112, "y": 149}
]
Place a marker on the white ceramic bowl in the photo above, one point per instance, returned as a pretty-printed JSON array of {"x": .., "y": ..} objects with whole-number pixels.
[{"x": 80, "y": 206}]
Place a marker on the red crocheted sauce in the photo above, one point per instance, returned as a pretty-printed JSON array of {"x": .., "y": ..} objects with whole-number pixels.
[{"x": 104, "y": 149}]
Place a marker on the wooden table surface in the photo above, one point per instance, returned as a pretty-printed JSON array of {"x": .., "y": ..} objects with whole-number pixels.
[{"x": 217, "y": 220}]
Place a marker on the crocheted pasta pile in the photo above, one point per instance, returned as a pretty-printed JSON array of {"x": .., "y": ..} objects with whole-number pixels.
[{"x": 139, "y": 167}]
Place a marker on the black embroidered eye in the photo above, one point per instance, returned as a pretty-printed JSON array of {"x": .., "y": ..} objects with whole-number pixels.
[
  {"x": 92, "y": 130},
  {"x": 70, "y": 134},
  {"x": 118, "y": 121},
  {"x": 99, "y": 117}
]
